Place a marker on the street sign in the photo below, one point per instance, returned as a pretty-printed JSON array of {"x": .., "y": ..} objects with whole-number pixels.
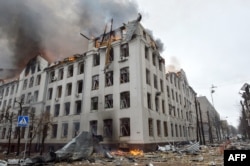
[{"x": 23, "y": 121}]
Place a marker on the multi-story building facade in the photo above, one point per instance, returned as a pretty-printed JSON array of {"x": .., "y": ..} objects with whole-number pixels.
[
  {"x": 181, "y": 104},
  {"x": 211, "y": 120},
  {"x": 118, "y": 89}
]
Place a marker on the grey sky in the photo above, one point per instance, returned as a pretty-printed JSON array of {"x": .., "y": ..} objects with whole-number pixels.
[{"x": 209, "y": 40}]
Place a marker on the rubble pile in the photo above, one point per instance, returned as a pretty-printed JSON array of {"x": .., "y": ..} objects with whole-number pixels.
[{"x": 86, "y": 150}]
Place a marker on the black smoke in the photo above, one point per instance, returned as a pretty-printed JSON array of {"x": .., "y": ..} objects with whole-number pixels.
[{"x": 52, "y": 28}]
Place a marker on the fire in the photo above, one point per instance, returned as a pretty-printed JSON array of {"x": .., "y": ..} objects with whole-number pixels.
[{"x": 136, "y": 152}]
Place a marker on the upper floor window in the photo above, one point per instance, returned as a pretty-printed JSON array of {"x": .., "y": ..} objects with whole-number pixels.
[
  {"x": 50, "y": 91},
  {"x": 94, "y": 103},
  {"x": 79, "y": 86},
  {"x": 25, "y": 84},
  {"x": 66, "y": 108},
  {"x": 52, "y": 76},
  {"x": 124, "y": 75},
  {"x": 31, "y": 82},
  {"x": 95, "y": 82},
  {"x": 60, "y": 74},
  {"x": 59, "y": 92},
  {"x": 78, "y": 107},
  {"x": 93, "y": 127},
  {"x": 109, "y": 101},
  {"x": 125, "y": 100},
  {"x": 7, "y": 91},
  {"x": 38, "y": 79},
  {"x": 12, "y": 89},
  {"x": 150, "y": 127},
  {"x": 154, "y": 59},
  {"x": 64, "y": 130},
  {"x": 155, "y": 82},
  {"x": 146, "y": 53},
  {"x": 80, "y": 68},
  {"x": 96, "y": 59},
  {"x": 109, "y": 78},
  {"x": 147, "y": 76},
  {"x": 70, "y": 70},
  {"x": 68, "y": 89},
  {"x": 57, "y": 110},
  {"x": 124, "y": 50}
]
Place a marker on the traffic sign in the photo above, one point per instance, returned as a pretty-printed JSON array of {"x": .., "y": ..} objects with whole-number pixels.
[{"x": 23, "y": 121}]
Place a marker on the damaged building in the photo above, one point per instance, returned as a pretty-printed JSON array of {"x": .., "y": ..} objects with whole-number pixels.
[{"x": 118, "y": 89}]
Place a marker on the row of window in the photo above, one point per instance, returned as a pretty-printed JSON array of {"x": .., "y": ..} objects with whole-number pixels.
[
  {"x": 68, "y": 90},
  {"x": 8, "y": 90},
  {"x": 154, "y": 58},
  {"x": 66, "y": 108},
  {"x": 156, "y": 102},
  {"x": 70, "y": 72},
  {"x": 148, "y": 80},
  {"x": 109, "y": 79},
  {"x": 124, "y": 101},
  {"x": 31, "y": 82}
]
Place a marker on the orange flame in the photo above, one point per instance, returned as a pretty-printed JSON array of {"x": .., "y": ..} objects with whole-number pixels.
[{"x": 136, "y": 152}]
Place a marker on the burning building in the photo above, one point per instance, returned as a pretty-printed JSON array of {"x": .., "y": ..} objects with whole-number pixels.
[{"x": 118, "y": 89}]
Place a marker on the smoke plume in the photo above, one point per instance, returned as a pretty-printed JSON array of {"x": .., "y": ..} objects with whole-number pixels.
[{"x": 52, "y": 28}]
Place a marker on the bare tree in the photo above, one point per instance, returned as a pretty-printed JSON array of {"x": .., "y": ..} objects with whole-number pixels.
[
  {"x": 20, "y": 104},
  {"x": 45, "y": 123}
]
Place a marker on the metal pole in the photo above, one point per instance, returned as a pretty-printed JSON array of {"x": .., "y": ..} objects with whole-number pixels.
[{"x": 25, "y": 146}]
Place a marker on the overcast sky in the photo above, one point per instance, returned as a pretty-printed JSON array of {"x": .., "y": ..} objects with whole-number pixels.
[{"x": 209, "y": 40}]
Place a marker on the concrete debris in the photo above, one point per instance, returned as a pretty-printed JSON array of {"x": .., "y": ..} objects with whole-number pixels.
[
  {"x": 192, "y": 149},
  {"x": 3, "y": 163}
]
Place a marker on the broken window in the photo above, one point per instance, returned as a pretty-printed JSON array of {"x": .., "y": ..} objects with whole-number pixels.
[
  {"x": 22, "y": 98},
  {"x": 48, "y": 108},
  {"x": 7, "y": 91},
  {"x": 12, "y": 89},
  {"x": 154, "y": 59},
  {"x": 172, "y": 129},
  {"x": 107, "y": 128},
  {"x": 180, "y": 131},
  {"x": 60, "y": 74},
  {"x": 64, "y": 130},
  {"x": 149, "y": 100},
  {"x": 180, "y": 98},
  {"x": 173, "y": 107},
  {"x": 109, "y": 101},
  {"x": 125, "y": 127},
  {"x": 144, "y": 34},
  {"x": 146, "y": 53},
  {"x": 155, "y": 82},
  {"x": 79, "y": 86},
  {"x": 157, "y": 104},
  {"x": 109, "y": 78},
  {"x": 59, "y": 92},
  {"x": 181, "y": 114},
  {"x": 54, "y": 131},
  {"x": 161, "y": 84},
  {"x": 25, "y": 84},
  {"x": 38, "y": 79},
  {"x": 124, "y": 51},
  {"x": 96, "y": 59},
  {"x": 95, "y": 82},
  {"x": 80, "y": 68},
  {"x": 93, "y": 127},
  {"x": 111, "y": 55},
  {"x": 125, "y": 100},
  {"x": 94, "y": 103},
  {"x": 31, "y": 82},
  {"x": 124, "y": 75},
  {"x": 178, "y": 112},
  {"x": 68, "y": 89},
  {"x": 176, "y": 130},
  {"x": 70, "y": 71},
  {"x": 52, "y": 76},
  {"x": 78, "y": 107},
  {"x": 176, "y": 96},
  {"x": 76, "y": 129},
  {"x": 165, "y": 125},
  {"x": 160, "y": 64},
  {"x": 66, "y": 108},
  {"x": 150, "y": 127},
  {"x": 148, "y": 77},
  {"x": 172, "y": 93},
  {"x": 158, "y": 124},
  {"x": 29, "y": 98},
  {"x": 168, "y": 91},
  {"x": 50, "y": 92},
  {"x": 163, "y": 106},
  {"x": 57, "y": 110},
  {"x": 36, "y": 96}
]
